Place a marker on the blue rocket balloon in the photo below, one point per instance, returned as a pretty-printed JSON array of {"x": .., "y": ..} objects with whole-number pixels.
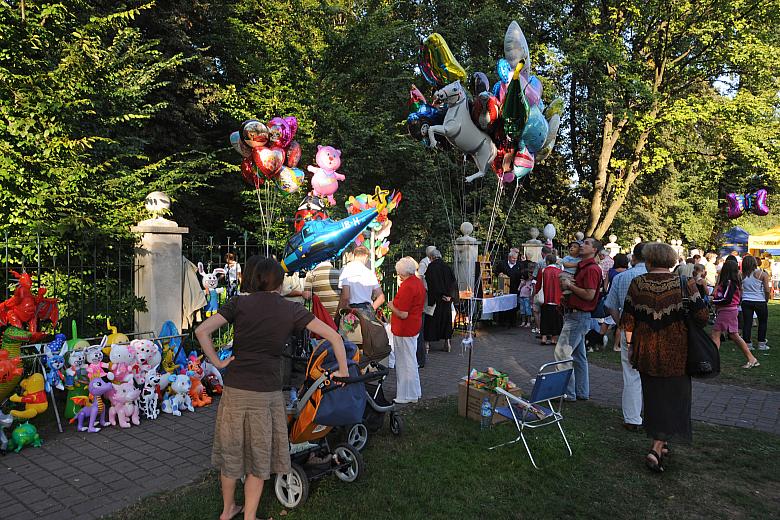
[{"x": 321, "y": 240}]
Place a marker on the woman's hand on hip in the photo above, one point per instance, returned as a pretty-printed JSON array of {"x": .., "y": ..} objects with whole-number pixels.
[{"x": 222, "y": 363}]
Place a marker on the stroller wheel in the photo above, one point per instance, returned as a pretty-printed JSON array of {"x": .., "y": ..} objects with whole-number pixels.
[
  {"x": 357, "y": 437},
  {"x": 396, "y": 423},
  {"x": 292, "y": 489},
  {"x": 351, "y": 463}
]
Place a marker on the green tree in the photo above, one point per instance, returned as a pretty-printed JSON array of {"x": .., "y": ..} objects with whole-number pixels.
[{"x": 637, "y": 69}]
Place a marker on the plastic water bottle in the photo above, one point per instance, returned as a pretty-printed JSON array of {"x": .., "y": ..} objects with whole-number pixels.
[
  {"x": 487, "y": 415},
  {"x": 293, "y": 397}
]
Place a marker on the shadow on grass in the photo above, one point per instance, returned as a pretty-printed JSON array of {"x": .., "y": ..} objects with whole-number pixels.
[{"x": 441, "y": 468}]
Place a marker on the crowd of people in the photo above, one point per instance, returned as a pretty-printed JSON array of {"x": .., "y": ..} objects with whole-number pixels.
[
  {"x": 574, "y": 301},
  {"x": 644, "y": 297}
]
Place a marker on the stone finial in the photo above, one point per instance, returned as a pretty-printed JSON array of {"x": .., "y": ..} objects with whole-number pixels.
[
  {"x": 157, "y": 203},
  {"x": 467, "y": 228}
]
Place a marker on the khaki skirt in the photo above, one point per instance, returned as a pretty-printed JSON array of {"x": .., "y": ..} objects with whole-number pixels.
[{"x": 250, "y": 436}]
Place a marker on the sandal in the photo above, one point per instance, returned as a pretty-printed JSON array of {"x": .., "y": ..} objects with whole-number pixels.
[
  {"x": 656, "y": 465},
  {"x": 751, "y": 364}
]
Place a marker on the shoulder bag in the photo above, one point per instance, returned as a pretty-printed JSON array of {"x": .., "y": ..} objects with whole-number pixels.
[
  {"x": 539, "y": 296},
  {"x": 703, "y": 356}
]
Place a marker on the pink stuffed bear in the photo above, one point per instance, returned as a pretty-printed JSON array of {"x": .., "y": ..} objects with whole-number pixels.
[
  {"x": 123, "y": 405},
  {"x": 324, "y": 183}
]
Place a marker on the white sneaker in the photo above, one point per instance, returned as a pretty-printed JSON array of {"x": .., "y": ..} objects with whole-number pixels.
[
  {"x": 763, "y": 346},
  {"x": 751, "y": 347},
  {"x": 605, "y": 340}
]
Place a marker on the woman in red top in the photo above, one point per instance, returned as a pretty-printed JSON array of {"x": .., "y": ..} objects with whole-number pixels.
[
  {"x": 405, "y": 325},
  {"x": 548, "y": 282}
]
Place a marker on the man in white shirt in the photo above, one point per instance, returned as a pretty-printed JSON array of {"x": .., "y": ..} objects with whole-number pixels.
[{"x": 359, "y": 286}]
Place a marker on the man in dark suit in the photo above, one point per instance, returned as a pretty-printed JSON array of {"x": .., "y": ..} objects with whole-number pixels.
[{"x": 513, "y": 269}]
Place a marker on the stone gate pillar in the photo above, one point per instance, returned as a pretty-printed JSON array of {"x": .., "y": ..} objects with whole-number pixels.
[{"x": 158, "y": 265}]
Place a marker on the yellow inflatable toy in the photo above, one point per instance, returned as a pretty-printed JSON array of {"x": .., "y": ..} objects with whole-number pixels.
[
  {"x": 114, "y": 338},
  {"x": 33, "y": 396}
]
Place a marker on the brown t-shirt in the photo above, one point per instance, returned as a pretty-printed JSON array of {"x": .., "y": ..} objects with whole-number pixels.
[{"x": 263, "y": 322}]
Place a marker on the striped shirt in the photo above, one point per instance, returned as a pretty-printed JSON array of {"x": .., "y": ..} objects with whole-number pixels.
[
  {"x": 618, "y": 289},
  {"x": 323, "y": 281}
]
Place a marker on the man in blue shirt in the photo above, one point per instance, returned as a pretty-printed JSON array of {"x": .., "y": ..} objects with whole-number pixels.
[{"x": 632, "y": 384}]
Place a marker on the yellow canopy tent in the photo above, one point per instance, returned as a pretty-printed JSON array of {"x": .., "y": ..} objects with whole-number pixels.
[{"x": 769, "y": 239}]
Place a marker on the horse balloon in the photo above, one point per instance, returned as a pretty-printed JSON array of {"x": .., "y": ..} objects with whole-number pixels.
[{"x": 461, "y": 130}]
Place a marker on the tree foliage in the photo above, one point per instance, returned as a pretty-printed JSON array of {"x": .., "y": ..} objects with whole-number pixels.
[{"x": 670, "y": 105}]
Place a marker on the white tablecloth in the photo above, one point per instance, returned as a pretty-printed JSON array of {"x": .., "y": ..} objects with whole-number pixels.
[{"x": 498, "y": 304}]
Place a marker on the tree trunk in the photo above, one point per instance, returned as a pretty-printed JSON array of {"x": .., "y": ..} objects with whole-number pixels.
[{"x": 632, "y": 172}]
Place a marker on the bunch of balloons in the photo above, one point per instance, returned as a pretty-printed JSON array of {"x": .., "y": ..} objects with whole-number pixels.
[
  {"x": 381, "y": 225},
  {"x": 753, "y": 202},
  {"x": 270, "y": 153},
  {"x": 508, "y": 126}
]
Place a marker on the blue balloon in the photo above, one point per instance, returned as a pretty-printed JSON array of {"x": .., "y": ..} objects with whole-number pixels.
[
  {"x": 504, "y": 70},
  {"x": 535, "y": 130},
  {"x": 496, "y": 89}
]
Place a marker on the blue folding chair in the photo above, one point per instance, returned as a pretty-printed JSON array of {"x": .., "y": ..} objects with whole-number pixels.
[{"x": 539, "y": 411}]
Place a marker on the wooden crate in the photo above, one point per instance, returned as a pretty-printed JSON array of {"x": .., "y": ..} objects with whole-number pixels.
[{"x": 476, "y": 395}]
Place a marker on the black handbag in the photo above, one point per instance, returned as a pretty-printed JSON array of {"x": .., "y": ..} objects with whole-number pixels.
[{"x": 703, "y": 356}]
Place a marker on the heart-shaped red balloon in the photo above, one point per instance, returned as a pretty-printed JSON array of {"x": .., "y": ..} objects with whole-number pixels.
[
  {"x": 269, "y": 160},
  {"x": 248, "y": 172}
]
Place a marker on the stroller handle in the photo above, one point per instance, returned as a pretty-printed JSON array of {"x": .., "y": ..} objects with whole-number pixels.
[{"x": 370, "y": 376}]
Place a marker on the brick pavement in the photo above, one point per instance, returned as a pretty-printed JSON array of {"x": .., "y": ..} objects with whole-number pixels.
[{"x": 79, "y": 475}]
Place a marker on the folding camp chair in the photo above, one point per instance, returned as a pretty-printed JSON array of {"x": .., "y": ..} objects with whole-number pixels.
[{"x": 550, "y": 385}]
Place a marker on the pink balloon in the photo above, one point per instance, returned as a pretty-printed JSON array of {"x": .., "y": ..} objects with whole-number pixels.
[
  {"x": 292, "y": 122},
  {"x": 761, "y": 208},
  {"x": 736, "y": 204},
  {"x": 280, "y": 132}
]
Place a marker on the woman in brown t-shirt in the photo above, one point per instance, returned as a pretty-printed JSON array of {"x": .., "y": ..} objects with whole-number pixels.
[{"x": 250, "y": 436}]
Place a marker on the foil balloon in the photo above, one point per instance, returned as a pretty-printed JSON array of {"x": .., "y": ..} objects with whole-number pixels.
[
  {"x": 533, "y": 89},
  {"x": 736, "y": 205},
  {"x": 280, "y": 132},
  {"x": 310, "y": 208},
  {"x": 438, "y": 60},
  {"x": 249, "y": 174},
  {"x": 499, "y": 90},
  {"x": 535, "y": 130},
  {"x": 461, "y": 131},
  {"x": 426, "y": 116},
  {"x": 293, "y": 154},
  {"x": 760, "y": 207},
  {"x": 269, "y": 160},
  {"x": 523, "y": 163},
  {"x": 292, "y": 122},
  {"x": 479, "y": 83},
  {"x": 485, "y": 111},
  {"x": 254, "y": 133},
  {"x": 239, "y": 145},
  {"x": 504, "y": 70},
  {"x": 516, "y": 48},
  {"x": 552, "y": 133},
  {"x": 290, "y": 180},
  {"x": 516, "y": 106}
]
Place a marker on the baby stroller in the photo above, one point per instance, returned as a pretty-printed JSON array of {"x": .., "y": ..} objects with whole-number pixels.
[
  {"x": 313, "y": 416},
  {"x": 376, "y": 408}
]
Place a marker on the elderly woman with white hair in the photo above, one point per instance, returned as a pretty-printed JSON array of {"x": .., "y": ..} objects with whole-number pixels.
[{"x": 405, "y": 324}]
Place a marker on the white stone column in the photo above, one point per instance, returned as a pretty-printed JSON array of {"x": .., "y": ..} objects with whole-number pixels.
[
  {"x": 158, "y": 277},
  {"x": 465, "y": 261}
]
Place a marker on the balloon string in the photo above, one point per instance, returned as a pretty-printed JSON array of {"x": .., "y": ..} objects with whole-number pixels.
[{"x": 506, "y": 219}]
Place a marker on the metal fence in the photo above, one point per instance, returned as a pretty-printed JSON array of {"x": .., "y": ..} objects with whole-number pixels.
[{"x": 93, "y": 277}]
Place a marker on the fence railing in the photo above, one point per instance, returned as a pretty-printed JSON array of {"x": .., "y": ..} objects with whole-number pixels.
[{"x": 93, "y": 278}]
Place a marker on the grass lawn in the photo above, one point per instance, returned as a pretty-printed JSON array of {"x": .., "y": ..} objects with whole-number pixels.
[
  {"x": 767, "y": 376},
  {"x": 441, "y": 468}
]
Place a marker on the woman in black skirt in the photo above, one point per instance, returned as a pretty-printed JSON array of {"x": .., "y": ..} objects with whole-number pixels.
[{"x": 657, "y": 337}]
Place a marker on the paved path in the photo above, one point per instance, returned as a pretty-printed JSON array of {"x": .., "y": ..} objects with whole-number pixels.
[{"x": 77, "y": 475}]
